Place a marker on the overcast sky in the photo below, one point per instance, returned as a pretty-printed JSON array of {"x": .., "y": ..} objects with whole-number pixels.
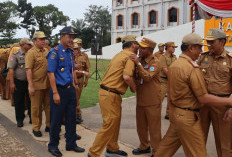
[{"x": 75, "y": 9}]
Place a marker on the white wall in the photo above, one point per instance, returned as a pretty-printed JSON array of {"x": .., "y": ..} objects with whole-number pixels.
[{"x": 171, "y": 34}]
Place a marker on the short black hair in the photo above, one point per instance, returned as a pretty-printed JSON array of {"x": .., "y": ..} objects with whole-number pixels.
[
  {"x": 127, "y": 44},
  {"x": 184, "y": 47},
  {"x": 220, "y": 39}
]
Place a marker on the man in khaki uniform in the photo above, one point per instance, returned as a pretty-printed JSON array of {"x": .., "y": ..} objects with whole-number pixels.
[
  {"x": 165, "y": 61},
  {"x": 216, "y": 65},
  {"x": 82, "y": 64},
  {"x": 160, "y": 52},
  {"x": 116, "y": 80},
  {"x": 3, "y": 62},
  {"x": 148, "y": 109},
  {"x": 38, "y": 84},
  {"x": 187, "y": 91}
]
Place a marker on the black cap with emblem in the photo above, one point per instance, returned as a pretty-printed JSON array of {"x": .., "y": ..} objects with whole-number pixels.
[{"x": 67, "y": 30}]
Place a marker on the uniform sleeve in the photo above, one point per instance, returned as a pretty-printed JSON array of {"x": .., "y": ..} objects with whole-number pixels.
[
  {"x": 129, "y": 68},
  {"x": 148, "y": 75},
  {"x": 162, "y": 61},
  {"x": 12, "y": 62},
  {"x": 87, "y": 62},
  {"x": 52, "y": 58},
  {"x": 29, "y": 60},
  {"x": 197, "y": 82}
]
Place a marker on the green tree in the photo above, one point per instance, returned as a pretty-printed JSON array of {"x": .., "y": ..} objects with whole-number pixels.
[
  {"x": 48, "y": 18},
  {"x": 26, "y": 13},
  {"x": 98, "y": 19},
  {"x": 8, "y": 25},
  {"x": 85, "y": 33}
]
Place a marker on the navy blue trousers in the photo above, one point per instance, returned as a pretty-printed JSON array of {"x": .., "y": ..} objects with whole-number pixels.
[{"x": 67, "y": 106}]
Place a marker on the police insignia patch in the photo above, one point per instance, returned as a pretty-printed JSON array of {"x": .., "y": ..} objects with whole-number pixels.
[
  {"x": 53, "y": 56},
  {"x": 152, "y": 68}
]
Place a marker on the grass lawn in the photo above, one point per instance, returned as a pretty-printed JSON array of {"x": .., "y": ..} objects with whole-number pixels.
[{"x": 89, "y": 96}]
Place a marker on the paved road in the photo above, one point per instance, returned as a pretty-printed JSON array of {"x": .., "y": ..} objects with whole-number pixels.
[{"x": 128, "y": 134}]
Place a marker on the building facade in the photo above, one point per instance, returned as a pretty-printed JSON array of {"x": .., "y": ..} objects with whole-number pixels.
[{"x": 142, "y": 17}]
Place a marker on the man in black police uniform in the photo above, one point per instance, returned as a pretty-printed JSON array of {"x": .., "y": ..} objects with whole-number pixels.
[{"x": 62, "y": 94}]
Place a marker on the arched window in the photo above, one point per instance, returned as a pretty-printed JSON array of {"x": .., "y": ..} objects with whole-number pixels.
[
  {"x": 120, "y": 20},
  {"x": 172, "y": 15},
  {"x": 152, "y": 17},
  {"x": 135, "y": 19},
  {"x": 119, "y": 1}
]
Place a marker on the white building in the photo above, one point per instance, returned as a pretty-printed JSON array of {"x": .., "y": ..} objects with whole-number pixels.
[{"x": 142, "y": 17}]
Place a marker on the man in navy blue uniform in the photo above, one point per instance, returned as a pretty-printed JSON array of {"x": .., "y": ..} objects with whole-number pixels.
[{"x": 62, "y": 94}]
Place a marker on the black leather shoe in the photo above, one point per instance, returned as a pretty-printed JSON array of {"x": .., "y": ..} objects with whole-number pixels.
[
  {"x": 138, "y": 151},
  {"x": 78, "y": 137},
  {"x": 76, "y": 149},
  {"x": 37, "y": 133},
  {"x": 55, "y": 152},
  {"x": 79, "y": 119},
  {"x": 166, "y": 117},
  {"x": 119, "y": 153},
  {"x": 47, "y": 129},
  {"x": 19, "y": 124}
]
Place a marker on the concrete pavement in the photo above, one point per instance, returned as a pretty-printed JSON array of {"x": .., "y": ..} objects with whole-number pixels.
[{"x": 92, "y": 122}]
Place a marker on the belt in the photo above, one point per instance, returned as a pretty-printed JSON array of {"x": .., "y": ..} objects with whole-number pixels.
[
  {"x": 163, "y": 77},
  {"x": 188, "y": 109},
  {"x": 109, "y": 90},
  {"x": 225, "y": 95},
  {"x": 67, "y": 86},
  {"x": 79, "y": 76}
]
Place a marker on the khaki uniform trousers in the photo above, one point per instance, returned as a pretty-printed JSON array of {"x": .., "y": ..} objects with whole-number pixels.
[
  {"x": 222, "y": 129},
  {"x": 185, "y": 129},
  {"x": 41, "y": 97},
  {"x": 110, "y": 104},
  {"x": 164, "y": 88},
  {"x": 148, "y": 121},
  {"x": 3, "y": 86},
  {"x": 80, "y": 82}
]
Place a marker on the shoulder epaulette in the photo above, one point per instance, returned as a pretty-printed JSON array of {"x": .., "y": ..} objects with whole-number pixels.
[
  {"x": 56, "y": 48},
  {"x": 229, "y": 54},
  {"x": 195, "y": 65},
  {"x": 15, "y": 52}
]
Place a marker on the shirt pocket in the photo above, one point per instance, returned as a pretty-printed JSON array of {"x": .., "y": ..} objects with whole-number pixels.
[
  {"x": 39, "y": 62},
  {"x": 223, "y": 71},
  {"x": 204, "y": 68}
]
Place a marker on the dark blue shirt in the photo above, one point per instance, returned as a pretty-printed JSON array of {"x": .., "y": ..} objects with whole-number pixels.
[{"x": 60, "y": 62}]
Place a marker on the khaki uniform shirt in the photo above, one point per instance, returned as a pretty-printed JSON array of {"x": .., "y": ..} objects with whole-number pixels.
[
  {"x": 158, "y": 54},
  {"x": 17, "y": 62},
  {"x": 82, "y": 61},
  {"x": 120, "y": 65},
  {"x": 148, "y": 83},
  {"x": 217, "y": 72},
  {"x": 37, "y": 62},
  {"x": 3, "y": 58},
  {"x": 187, "y": 83},
  {"x": 165, "y": 61}
]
